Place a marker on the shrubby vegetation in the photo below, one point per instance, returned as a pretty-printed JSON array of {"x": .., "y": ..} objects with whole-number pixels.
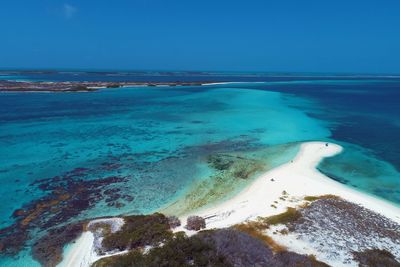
[
  {"x": 257, "y": 228},
  {"x": 151, "y": 242},
  {"x": 174, "y": 222},
  {"x": 139, "y": 231},
  {"x": 376, "y": 258},
  {"x": 195, "y": 223},
  {"x": 179, "y": 250},
  {"x": 314, "y": 198},
  {"x": 212, "y": 248}
]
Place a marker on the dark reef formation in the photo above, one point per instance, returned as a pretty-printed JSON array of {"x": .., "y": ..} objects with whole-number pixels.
[
  {"x": 66, "y": 197},
  {"x": 230, "y": 171},
  {"x": 238, "y": 166},
  {"x": 48, "y": 249}
]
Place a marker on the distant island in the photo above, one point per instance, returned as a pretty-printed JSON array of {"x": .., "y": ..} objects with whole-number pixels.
[{"x": 79, "y": 86}]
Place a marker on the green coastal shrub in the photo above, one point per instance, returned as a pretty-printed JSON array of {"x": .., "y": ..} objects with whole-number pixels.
[
  {"x": 376, "y": 257},
  {"x": 139, "y": 231},
  {"x": 179, "y": 251},
  {"x": 195, "y": 223}
]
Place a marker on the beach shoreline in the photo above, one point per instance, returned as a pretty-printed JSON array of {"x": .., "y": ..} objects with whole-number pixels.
[{"x": 295, "y": 180}]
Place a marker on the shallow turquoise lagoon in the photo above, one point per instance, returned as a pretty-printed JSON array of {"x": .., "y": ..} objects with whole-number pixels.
[
  {"x": 44, "y": 135},
  {"x": 150, "y": 146}
]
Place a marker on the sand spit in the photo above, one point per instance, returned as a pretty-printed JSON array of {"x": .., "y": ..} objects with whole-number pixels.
[{"x": 270, "y": 194}]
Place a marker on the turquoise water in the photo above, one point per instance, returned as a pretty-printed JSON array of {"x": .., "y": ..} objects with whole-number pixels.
[
  {"x": 155, "y": 141},
  {"x": 360, "y": 168},
  {"x": 60, "y": 132},
  {"x": 159, "y": 136}
]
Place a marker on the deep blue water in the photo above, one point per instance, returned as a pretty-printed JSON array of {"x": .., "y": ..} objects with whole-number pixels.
[
  {"x": 156, "y": 140},
  {"x": 166, "y": 76},
  {"x": 364, "y": 116}
]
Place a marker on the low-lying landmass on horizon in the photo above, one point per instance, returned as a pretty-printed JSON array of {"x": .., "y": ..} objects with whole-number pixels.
[{"x": 37, "y": 86}]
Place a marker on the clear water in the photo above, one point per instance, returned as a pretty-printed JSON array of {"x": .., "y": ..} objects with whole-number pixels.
[
  {"x": 363, "y": 116},
  {"x": 161, "y": 138}
]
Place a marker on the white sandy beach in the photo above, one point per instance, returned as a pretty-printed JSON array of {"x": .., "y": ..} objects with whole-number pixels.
[
  {"x": 83, "y": 252},
  {"x": 222, "y": 83},
  {"x": 297, "y": 178}
]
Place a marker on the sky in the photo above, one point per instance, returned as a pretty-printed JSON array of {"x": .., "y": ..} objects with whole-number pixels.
[{"x": 227, "y": 35}]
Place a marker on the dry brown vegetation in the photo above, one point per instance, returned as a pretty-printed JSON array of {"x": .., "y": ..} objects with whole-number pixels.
[
  {"x": 255, "y": 230},
  {"x": 290, "y": 215},
  {"x": 314, "y": 198}
]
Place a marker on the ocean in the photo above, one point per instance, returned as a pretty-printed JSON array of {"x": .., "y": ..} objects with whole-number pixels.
[{"x": 66, "y": 157}]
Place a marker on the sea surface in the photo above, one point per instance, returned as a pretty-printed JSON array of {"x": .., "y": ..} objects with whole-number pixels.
[{"x": 66, "y": 157}]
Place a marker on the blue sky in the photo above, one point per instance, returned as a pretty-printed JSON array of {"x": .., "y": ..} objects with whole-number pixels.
[{"x": 284, "y": 35}]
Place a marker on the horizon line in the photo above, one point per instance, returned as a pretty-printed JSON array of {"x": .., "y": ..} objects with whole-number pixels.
[{"x": 331, "y": 73}]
